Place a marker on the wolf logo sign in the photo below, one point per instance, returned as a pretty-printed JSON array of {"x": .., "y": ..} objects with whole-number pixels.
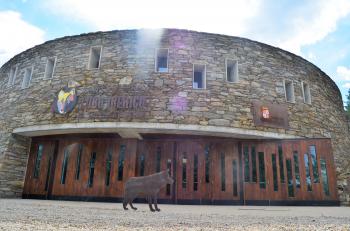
[{"x": 66, "y": 99}]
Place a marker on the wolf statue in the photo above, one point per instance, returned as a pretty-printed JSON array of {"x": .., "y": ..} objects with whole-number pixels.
[{"x": 145, "y": 186}]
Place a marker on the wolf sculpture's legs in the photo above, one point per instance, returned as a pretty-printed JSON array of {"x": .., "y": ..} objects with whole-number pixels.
[
  {"x": 125, "y": 203},
  {"x": 156, "y": 203},
  {"x": 149, "y": 198},
  {"x": 130, "y": 203}
]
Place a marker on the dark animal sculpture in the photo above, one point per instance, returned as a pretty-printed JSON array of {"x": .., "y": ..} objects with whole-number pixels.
[{"x": 145, "y": 186}]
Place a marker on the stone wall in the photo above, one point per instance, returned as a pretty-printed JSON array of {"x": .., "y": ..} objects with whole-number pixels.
[{"x": 128, "y": 65}]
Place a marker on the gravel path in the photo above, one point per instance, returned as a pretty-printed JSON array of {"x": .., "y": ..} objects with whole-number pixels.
[{"x": 16, "y": 214}]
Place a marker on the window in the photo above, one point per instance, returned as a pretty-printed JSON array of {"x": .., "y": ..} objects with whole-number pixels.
[
  {"x": 280, "y": 157},
  {"x": 324, "y": 177},
  {"x": 289, "y": 91},
  {"x": 92, "y": 169},
  {"x": 108, "y": 166},
  {"x": 296, "y": 169},
  {"x": 207, "y": 164},
  {"x": 313, "y": 154},
  {"x": 274, "y": 171},
  {"x": 77, "y": 172},
  {"x": 223, "y": 180},
  {"x": 307, "y": 170},
  {"x": 95, "y": 57},
  {"x": 50, "y": 66},
  {"x": 195, "y": 173},
  {"x": 39, "y": 155},
  {"x": 48, "y": 174},
  {"x": 64, "y": 166},
  {"x": 262, "y": 170},
  {"x": 121, "y": 162},
  {"x": 142, "y": 165},
  {"x": 290, "y": 178},
  {"x": 158, "y": 159},
  {"x": 253, "y": 158},
  {"x": 162, "y": 60},
  {"x": 184, "y": 177},
  {"x": 234, "y": 177},
  {"x": 199, "y": 76},
  {"x": 306, "y": 92},
  {"x": 168, "y": 167},
  {"x": 12, "y": 76},
  {"x": 231, "y": 71},
  {"x": 27, "y": 77},
  {"x": 246, "y": 164}
]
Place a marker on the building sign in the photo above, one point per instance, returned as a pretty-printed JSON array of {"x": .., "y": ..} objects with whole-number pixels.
[
  {"x": 66, "y": 99},
  {"x": 270, "y": 115}
]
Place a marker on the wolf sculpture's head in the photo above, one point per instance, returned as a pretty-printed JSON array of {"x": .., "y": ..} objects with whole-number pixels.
[{"x": 167, "y": 177}]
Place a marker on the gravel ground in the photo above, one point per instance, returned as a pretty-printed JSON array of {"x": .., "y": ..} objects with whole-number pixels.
[{"x": 17, "y": 214}]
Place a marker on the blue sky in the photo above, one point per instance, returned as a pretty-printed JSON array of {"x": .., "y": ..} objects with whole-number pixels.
[{"x": 318, "y": 30}]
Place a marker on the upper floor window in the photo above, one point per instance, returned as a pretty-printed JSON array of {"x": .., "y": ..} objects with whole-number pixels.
[
  {"x": 12, "y": 76},
  {"x": 50, "y": 67},
  {"x": 289, "y": 91},
  {"x": 306, "y": 92},
  {"x": 28, "y": 72},
  {"x": 162, "y": 60},
  {"x": 95, "y": 57},
  {"x": 199, "y": 76},
  {"x": 231, "y": 71}
]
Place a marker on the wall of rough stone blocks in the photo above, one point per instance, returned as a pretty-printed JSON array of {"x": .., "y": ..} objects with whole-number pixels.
[{"x": 128, "y": 61}]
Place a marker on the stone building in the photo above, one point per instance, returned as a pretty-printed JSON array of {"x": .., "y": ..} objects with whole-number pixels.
[{"x": 235, "y": 121}]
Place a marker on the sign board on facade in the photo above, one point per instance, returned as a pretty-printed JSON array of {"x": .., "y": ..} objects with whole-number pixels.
[{"x": 270, "y": 115}]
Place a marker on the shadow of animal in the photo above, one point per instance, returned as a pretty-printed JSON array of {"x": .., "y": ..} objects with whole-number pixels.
[{"x": 145, "y": 186}]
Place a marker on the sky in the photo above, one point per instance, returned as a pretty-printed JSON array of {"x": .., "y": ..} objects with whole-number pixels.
[{"x": 317, "y": 30}]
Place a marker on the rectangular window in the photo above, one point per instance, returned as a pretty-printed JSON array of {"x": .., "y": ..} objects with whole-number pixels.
[
  {"x": 92, "y": 169},
  {"x": 234, "y": 178},
  {"x": 280, "y": 157},
  {"x": 12, "y": 76},
  {"x": 50, "y": 67},
  {"x": 168, "y": 167},
  {"x": 246, "y": 163},
  {"x": 306, "y": 92},
  {"x": 48, "y": 174},
  {"x": 307, "y": 170},
  {"x": 296, "y": 169},
  {"x": 274, "y": 171},
  {"x": 289, "y": 91},
  {"x": 39, "y": 155},
  {"x": 64, "y": 166},
  {"x": 199, "y": 77},
  {"x": 77, "y": 171},
  {"x": 290, "y": 178},
  {"x": 108, "y": 166},
  {"x": 207, "y": 164},
  {"x": 27, "y": 77},
  {"x": 223, "y": 179},
  {"x": 95, "y": 57},
  {"x": 162, "y": 60},
  {"x": 253, "y": 158},
  {"x": 121, "y": 162},
  {"x": 142, "y": 165},
  {"x": 195, "y": 173},
  {"x": 324, "y": 177},
  {"x": 158, "y": 159},
  {"x": 184, "y": 171},
  {"x": 313, "y": 154},
  {"x": 231, "y": 71},
  {"x": 262, "y": 170}
]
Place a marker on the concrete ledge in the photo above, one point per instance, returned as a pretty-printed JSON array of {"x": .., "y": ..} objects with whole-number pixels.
[{"x": 131, "y": 129}]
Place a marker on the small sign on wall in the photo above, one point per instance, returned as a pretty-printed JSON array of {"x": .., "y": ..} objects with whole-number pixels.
[{"x": 270, "y": 115}]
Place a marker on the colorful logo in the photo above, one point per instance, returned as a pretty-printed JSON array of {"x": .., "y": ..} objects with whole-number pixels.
[
  {"x": 265, "y": 112},
  {"x": 66, "y": 99}
]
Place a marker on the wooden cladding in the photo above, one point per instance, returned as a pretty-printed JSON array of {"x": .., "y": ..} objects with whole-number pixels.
[{"x": 205, "y": 170}]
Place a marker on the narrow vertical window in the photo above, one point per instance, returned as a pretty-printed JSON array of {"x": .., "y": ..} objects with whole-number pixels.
[
  {"x": 64, "y": 166},
  {"x": 262, "y": 170},
  {"x": 231, "y": 71},
  {"x": 48, "y": 174},
  {"x": 162, "y": 60},
  {"x": 306, "y": 92},
  {"x": 195, "y": 173},
  {"x": 207, "y": 163},
  {"x": 12, "y": 76},
  {"x": 92, "y": 169},
  {"x": 324, "y": 177},
  {"x": 77, "y": 170},
  {"x": 313, "y": 154},
  {"x": 108, "y": 166},
  {"x": 253, "y": 158},
  {"x": 184, "y": 170},
  {"x": 95, "y": 57},
  {"x": 246, "y": 164},
  {"x": 280, "y": 157},
  {"x": 199, "y": 77},
  {"x": 27, "y": 77},
  {"x": 121, "y": 162},
  {"x": 234, "y": 178},
  {"x": 50, "y": 66},
  {"x": 307, "y": 170},
  {"x": 296, "y": 169},
  {"x": 168, "y": 167},
  {"x": 223, "y": 179},
  {"x": 289, "y": 91},
  {"x": 158, "y": 156},
  {"x": 142, "y": 165},
  {"x": 290, "y": 178},
  {"x": 39, "y": 155},
  {"x": 274, "y": 173}
]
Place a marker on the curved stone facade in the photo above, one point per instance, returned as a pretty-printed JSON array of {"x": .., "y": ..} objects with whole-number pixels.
[{"x": 127, "y": 69}]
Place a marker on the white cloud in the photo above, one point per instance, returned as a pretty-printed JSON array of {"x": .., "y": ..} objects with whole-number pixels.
[
  {"x": 346, "y": 85},
  {"x": 17, "y": 35},
  {"x": 343, "y": 73}
]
